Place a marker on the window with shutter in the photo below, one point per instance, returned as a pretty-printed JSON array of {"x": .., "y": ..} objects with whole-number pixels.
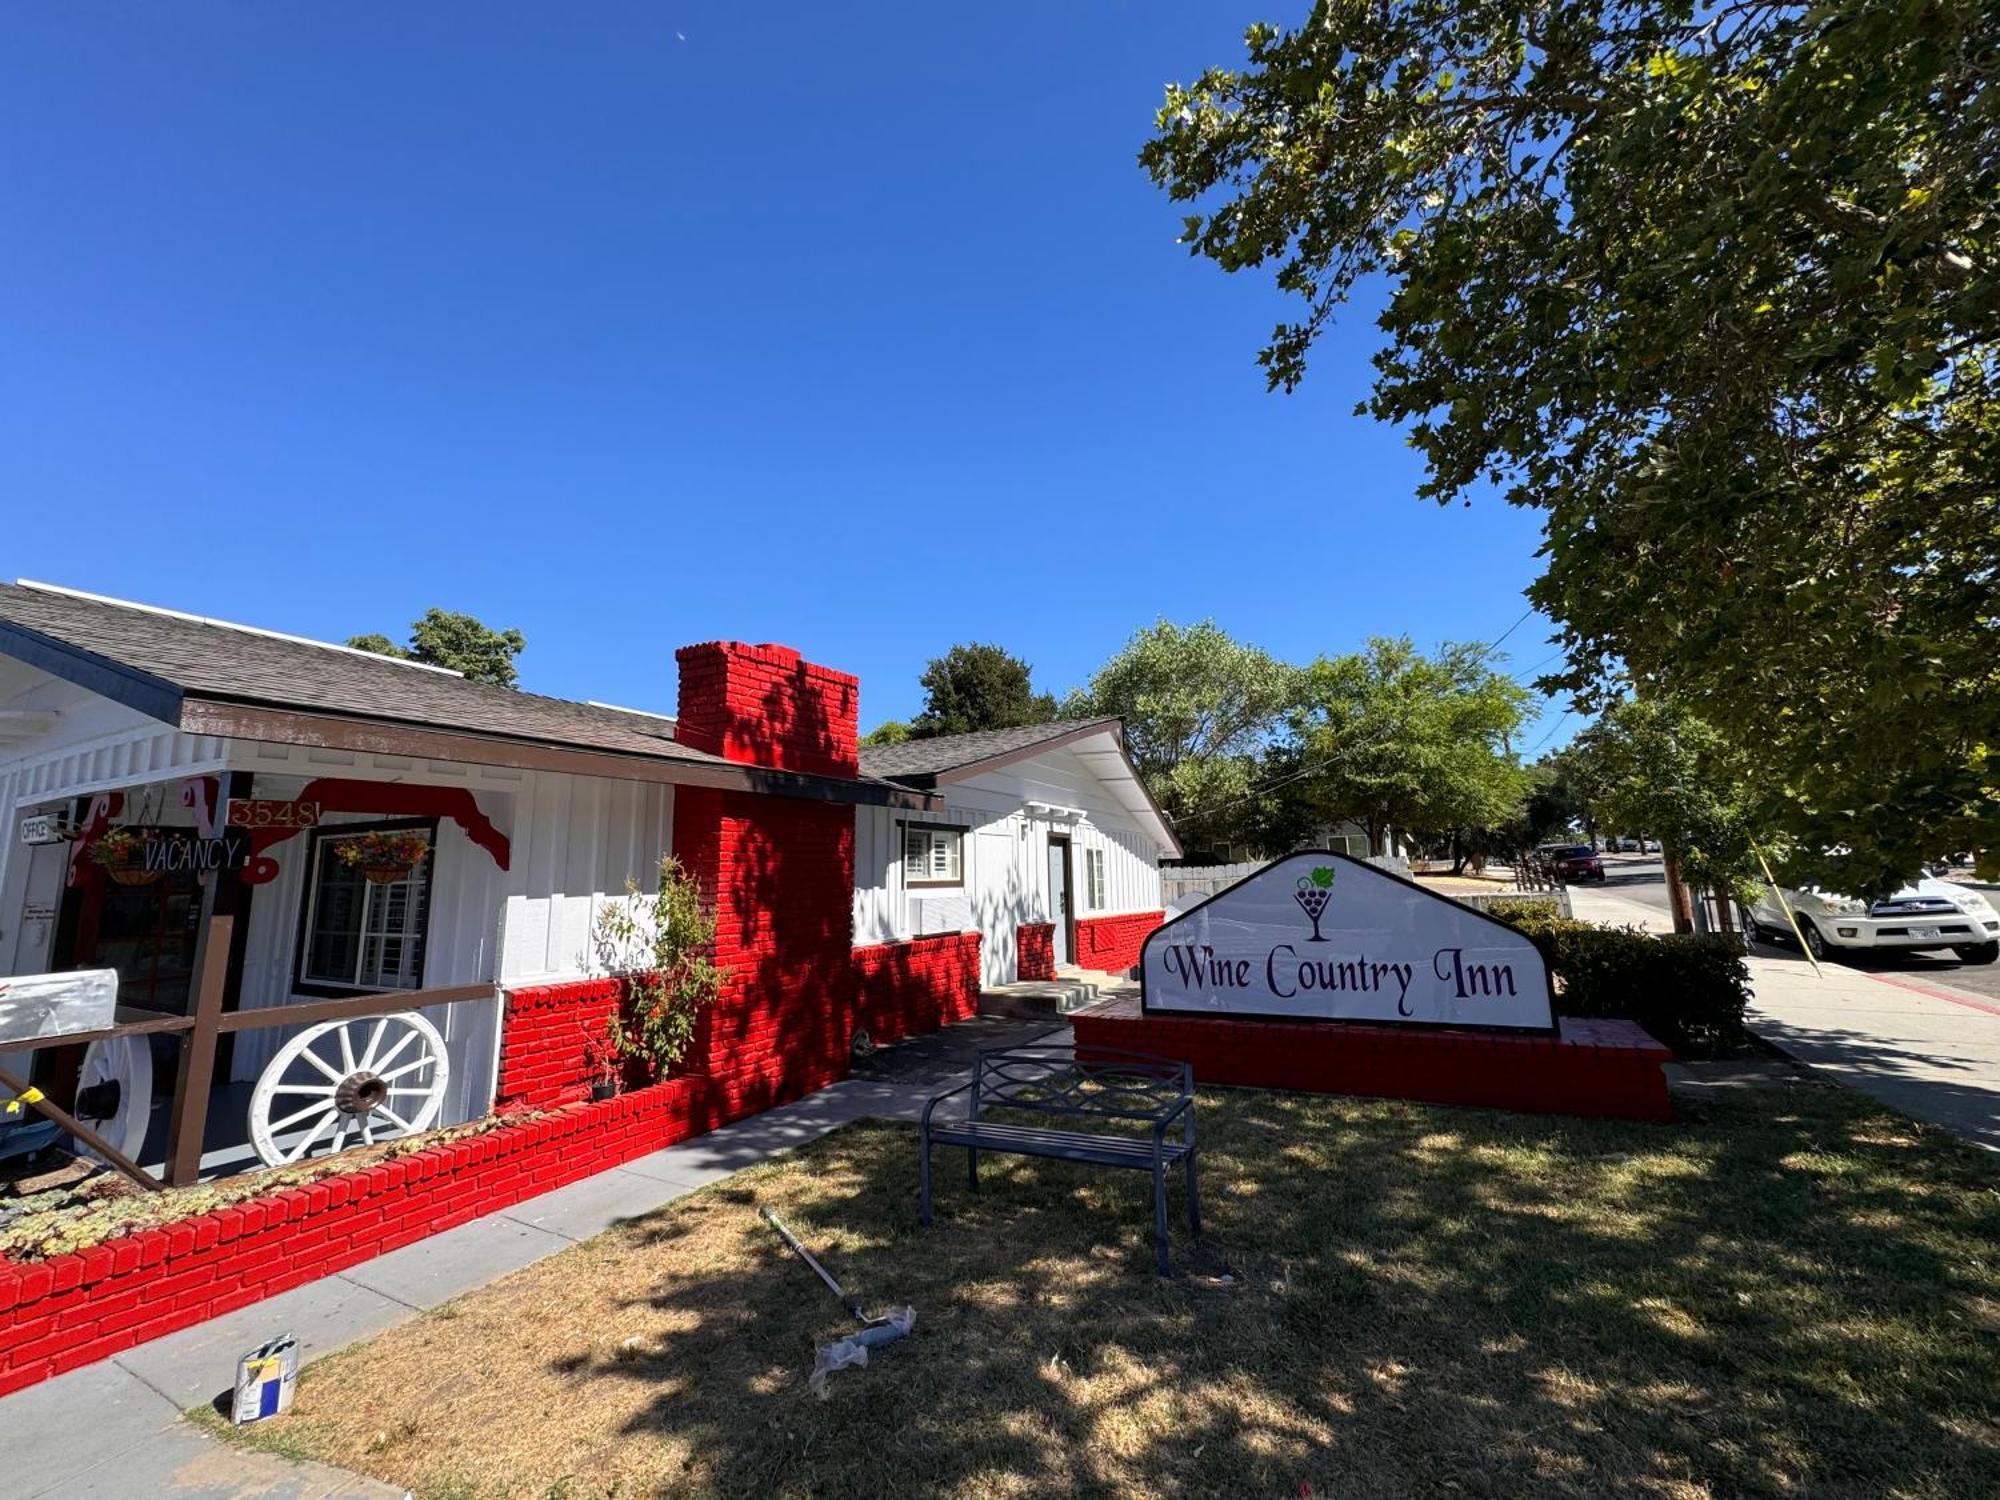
[
  {"x": 359, "y": 934},
  {"x": 931, "y": 856}
]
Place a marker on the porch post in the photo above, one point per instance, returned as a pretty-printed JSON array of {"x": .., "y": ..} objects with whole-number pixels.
[{"x": 222, "y": 902}]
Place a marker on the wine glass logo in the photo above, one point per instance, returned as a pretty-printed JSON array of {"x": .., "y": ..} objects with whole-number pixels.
[{"x": 1314, "y": 891}]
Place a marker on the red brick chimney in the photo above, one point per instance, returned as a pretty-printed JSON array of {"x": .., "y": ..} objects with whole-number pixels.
[{"x": 765, "y": 706}]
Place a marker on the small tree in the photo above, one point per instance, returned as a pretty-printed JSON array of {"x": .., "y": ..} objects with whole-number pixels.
[
  {"x": 1649, "y": 766},
  {"x": 663, "y": 947},
  {"x": 1198, "y": 707},
  {"x": 1392, "y": 738},
  {"x": 978, "y": 686},
  {"x": 460, "y": 642},
  {"x": 888, "y": 732}
]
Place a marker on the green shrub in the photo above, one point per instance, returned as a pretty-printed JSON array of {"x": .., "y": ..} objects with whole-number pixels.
[{"x": 1686, "y": 991}]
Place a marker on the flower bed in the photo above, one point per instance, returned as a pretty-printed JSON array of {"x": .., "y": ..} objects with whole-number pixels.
[{"x": 74, "y": 1308}]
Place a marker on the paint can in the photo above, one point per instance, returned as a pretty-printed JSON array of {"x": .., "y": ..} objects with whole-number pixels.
[{"x": 265, "y": 1378}]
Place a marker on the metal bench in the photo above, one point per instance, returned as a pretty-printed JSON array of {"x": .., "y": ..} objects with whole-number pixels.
[{"x": 1103, "y": 1085}]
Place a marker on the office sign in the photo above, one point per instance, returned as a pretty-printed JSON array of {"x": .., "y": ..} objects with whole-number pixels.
[
  {"x": 1321, "y": 937},
  {"x": 40, "y": 828}
]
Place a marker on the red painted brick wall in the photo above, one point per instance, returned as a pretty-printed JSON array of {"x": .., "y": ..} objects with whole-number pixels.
[
  {"x": 1608, "y": 1069},
  {"x": 72, "y": 1310},
  {"x": 765, "y": 706},
  {"x": 1112, "y": 943},
  {"x": 779, "y": 874},
  {"x": 543, "y": 1039},
  {"x": 1035, "y": 950},
  {"x": 918, "y": 986}
]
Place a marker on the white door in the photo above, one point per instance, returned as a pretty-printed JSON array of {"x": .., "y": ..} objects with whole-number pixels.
[
  {"x": 48, "y": 865},
  {"x": 1059, "y": 897}
]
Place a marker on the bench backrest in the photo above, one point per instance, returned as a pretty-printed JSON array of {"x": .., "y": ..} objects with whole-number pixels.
[{"x": 1100, "y": 1081}]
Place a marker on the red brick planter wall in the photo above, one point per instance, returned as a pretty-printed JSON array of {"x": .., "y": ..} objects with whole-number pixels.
[
  {"x": 543, "y": 1037},
  {"x": 1112, "y": 943},
  {"x": 58, "y": 1314},
  {"x": 1035, "y": 951},
  {"x": 918, "y": 986},
  {"x": 1609, "y": 1069}
]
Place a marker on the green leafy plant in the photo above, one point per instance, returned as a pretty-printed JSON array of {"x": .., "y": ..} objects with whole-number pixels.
[
  {"x": 604, "y": 1052},
  {"x": 1686, "y": 991},
  {"x": 662, "y": 946}
]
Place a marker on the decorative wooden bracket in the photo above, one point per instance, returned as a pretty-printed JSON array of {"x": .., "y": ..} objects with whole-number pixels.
[
  {"x": 103, "y": 808},
  {"x": 395, "y": 798}
]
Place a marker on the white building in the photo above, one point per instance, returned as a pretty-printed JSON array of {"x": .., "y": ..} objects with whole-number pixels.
[{"x": 1042, "y": 827}]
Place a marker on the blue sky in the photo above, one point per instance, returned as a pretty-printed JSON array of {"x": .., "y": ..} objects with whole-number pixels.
[{"x": 852, "y": 327}]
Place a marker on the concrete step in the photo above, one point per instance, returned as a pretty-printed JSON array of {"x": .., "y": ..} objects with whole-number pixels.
[
  {"x": 1036, "y": 997},
  {"x": 1070, "y": 990}
]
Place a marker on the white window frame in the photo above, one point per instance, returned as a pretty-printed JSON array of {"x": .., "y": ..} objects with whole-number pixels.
[
  {"x": 1095, "y": 883},
  {"x": 415, "y": 891},
  {"x": 942, "y": 860}
]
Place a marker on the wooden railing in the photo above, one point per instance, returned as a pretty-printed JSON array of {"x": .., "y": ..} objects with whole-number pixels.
[{"x": 196, "y": 1075}]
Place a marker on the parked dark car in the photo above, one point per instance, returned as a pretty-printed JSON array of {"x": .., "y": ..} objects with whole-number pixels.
[{"x": 1570, "y": 862}]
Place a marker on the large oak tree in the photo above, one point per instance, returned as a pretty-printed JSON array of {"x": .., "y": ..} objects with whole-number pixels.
[{"x": 1713, "y": 288}]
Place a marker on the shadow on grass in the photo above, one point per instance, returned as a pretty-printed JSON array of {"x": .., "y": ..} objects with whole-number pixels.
[
  {"x": 1794, "y": 1292},
  {"x": 1428, "y": 1297}
]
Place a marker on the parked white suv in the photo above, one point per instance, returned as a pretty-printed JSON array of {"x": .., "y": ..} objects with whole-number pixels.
[{"x": 1931, "y": 913}]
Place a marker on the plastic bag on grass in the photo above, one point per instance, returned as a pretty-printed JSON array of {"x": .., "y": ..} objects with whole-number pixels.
[{"x": 853, "y": 1350}]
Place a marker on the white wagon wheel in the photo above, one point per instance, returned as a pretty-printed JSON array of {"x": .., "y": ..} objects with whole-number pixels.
[
  {"x": 376, "y": 1078},
  {"x": 114, "y": 1092}
]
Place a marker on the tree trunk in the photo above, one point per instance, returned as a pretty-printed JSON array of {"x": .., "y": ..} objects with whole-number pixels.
[
  {"x": 1457, "y": 853},
  {"x": 1677, "y": 894},
  {"x": 1374, "y": 836}
]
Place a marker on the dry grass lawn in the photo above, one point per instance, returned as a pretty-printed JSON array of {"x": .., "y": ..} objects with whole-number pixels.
[{"x": 1796, "y": 1293}]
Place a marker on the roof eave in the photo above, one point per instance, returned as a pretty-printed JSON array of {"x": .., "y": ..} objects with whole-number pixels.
[
  {"x": 1025, "y": 752},
  {"x": 141, "y": 691},
  {"x": 229, "y": 719}
]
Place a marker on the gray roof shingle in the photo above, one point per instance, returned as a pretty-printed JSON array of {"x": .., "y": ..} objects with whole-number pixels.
[
  {"x": 916, "y": 762},
  {"x": 208, "y": 659}
]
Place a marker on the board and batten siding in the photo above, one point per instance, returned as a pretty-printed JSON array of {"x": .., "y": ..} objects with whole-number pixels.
[
  {"x": 574, "y": 842},
  {"x": 1005, "y": 860}
]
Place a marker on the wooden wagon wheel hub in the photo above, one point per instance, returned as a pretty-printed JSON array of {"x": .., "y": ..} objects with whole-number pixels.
[
  {"x": 358, "y": 1093},
  {"x": 370, "y": 1079}
]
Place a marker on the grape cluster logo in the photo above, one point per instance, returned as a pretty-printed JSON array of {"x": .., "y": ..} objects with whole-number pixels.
[{"x": 1313, "y": 893}]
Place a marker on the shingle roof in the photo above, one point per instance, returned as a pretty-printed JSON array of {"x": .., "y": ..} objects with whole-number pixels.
[
  {"x": 209, "y": 659},
  {"x": 917, "y": 761}
]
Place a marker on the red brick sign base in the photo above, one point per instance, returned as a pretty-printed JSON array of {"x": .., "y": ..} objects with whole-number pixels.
[{"x": 1607, "y": 1069}]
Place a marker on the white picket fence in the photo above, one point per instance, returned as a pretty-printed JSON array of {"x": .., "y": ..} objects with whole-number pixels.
[{"x": 1181, "y": 886}]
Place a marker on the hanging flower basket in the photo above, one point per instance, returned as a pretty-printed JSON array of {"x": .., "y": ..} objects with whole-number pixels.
[
  {"x": 383, "y": 858},
  {"x": 120, "y": 854}
]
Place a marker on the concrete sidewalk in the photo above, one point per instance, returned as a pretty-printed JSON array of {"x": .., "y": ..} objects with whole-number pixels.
[
  {"x": 114, "y": 1429},
  {"x": 1924, "y": 1047},
  {"x": 1918, "y": 1046}
]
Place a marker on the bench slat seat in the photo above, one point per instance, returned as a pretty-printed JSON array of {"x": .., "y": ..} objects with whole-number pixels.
[
  {"x": 1118, "y": 1088},
  {"x": 1065, "y": 1145}
]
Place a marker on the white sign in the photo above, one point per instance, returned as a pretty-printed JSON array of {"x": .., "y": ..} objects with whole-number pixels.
[
  {"x": 40, "y": 829},
  {"x": 33, "y": 1005},
  {"x": 1317, "y": 936}
]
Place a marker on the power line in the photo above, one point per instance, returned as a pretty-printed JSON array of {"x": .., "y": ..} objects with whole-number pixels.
[
  {"x": 1495, "y": 645},
  {"x": 1552, "y": 729}
]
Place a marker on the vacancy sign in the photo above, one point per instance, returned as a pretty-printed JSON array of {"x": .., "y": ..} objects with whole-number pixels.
[{"x": 1321, "y": 937}]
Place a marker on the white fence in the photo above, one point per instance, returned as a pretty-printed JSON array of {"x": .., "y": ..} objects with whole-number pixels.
[{"x": 1181, "y": 886}]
